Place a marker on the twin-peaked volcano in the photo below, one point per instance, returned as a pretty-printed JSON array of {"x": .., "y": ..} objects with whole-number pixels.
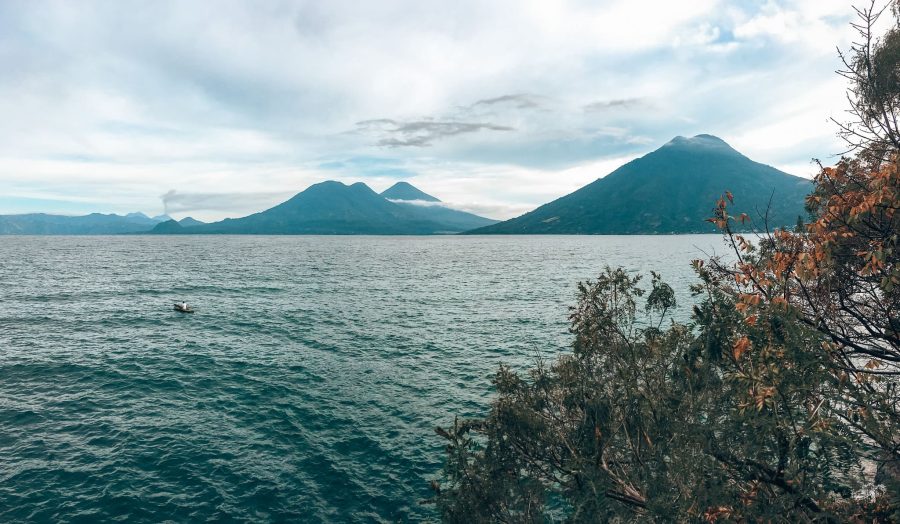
[
  {"x": 333, "y": 208},
  {"x": 671, "y": 190}
]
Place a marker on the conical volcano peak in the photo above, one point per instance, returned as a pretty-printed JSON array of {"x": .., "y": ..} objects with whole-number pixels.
[
  {"x": 709, "y": 138},
  {"x": 407, "y": 191},
  {"x": 702, "y": 142},
  {"x": 670, "y": 190}
]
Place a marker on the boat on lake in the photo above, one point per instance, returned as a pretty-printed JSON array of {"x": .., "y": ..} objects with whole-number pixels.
[{"x": 182, "y": 307}]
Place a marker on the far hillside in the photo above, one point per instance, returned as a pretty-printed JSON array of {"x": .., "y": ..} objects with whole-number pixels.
[
  {"x": 671, "y": 190},
  {"x": 333, "y": 208}
]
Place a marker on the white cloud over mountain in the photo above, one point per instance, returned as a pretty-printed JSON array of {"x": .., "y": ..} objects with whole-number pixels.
[{"x": 499, "y": 106}]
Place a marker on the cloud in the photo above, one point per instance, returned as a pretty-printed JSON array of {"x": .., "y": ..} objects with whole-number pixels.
[
  {"x": 376, "y": 123},
  {"x": 175, "y": 203},
  {"x": 420, "y": 203},
  {"x": 114, "y": 103},
  {"x": 368, "y": 167},
  {"x": 488, "y": 210},
  {"x": 519, "y": 101},
  {"x": 620, "y": 103},
  {"x": 494, "y": 211},
  {"x": 421, "y": 133}
]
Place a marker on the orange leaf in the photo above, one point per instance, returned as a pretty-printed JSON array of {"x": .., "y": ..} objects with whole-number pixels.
[
  {"x": 741, "y": 346},
  {"x": 873, "y": 364}
]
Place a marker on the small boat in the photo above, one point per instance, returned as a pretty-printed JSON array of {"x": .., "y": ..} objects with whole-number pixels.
[{"x": 183, "y": 308}]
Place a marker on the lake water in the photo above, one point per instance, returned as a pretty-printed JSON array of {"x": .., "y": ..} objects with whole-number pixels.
[{"x": 306, "y": 387}]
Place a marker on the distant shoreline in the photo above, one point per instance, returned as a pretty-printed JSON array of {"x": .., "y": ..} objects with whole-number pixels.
[{"x": 436, "y": 235}]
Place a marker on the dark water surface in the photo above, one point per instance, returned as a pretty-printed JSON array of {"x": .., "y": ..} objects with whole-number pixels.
[{"x": 305, "y": 388}]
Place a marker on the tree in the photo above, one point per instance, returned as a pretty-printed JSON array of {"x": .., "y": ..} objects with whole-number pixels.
[
  {"x": 774, "y": 403},
  {"x": 870, "y": 66},
  {"x": 840, "y": 274},
  {"x": 721, "y": 419}
]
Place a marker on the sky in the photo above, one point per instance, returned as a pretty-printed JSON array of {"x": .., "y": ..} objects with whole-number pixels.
[{"x": 221, "y": 109}]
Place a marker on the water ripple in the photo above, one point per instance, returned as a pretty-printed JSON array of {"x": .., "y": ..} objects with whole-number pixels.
[{"x": 304, "y": 389}]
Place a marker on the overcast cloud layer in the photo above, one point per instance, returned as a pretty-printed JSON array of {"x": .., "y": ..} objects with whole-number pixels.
[{"x": 224, "y": 108}]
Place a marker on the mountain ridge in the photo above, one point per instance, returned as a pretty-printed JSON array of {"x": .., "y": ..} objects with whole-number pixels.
[
  {"x": 670, "y": 190},
  {"x": 90, "y": 224},
  {"x": 334, "y": 208},
  {"x": 325, "y": 208}
]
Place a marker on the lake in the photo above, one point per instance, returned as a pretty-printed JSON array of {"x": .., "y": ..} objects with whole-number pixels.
[{"x": 305, "y": 388}]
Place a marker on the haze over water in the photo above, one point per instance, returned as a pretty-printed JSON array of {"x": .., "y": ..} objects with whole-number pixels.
[{"x": 306, "y": 387}]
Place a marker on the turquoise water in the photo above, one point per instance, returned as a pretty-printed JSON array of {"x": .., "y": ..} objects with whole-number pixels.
[{"x": 305, "y": 388}]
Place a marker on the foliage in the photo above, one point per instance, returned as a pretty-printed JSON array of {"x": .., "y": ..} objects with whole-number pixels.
[
  {"x": 839, "y": 276},
  {"x": 778, "y": 401},
  {"x": 870, "y": 65},
  {"x": 722, "y": 419}
]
